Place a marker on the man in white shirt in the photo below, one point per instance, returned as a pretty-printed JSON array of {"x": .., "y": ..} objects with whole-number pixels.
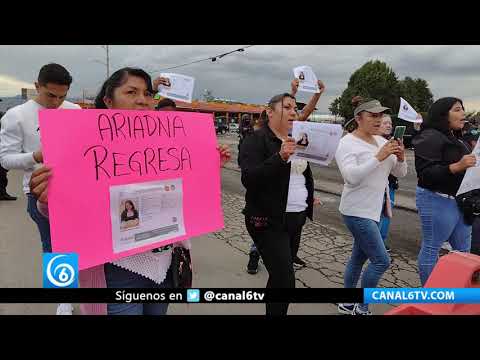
[
  {"x": 20, "y": 146},
  {"x": 3, "y": 177}
]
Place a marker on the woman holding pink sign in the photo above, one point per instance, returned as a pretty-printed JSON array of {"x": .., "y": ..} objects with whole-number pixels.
[{"x": 126, "y": 89}]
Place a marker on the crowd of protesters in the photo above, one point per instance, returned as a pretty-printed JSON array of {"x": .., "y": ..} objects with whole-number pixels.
[{"x": 279, "y": 190}]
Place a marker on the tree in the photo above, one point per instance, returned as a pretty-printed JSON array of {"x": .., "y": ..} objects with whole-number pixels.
[
  {"x": 417, "y": 93},
  {"x": 334, "y": 107},
  {"x": 373, "y": 80}
]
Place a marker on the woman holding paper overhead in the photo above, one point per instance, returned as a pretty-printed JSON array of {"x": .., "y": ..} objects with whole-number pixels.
[
  {"x": 441, "y": 159},
  {"x": 127, "y": 89},
  {"x": 279, "y": 194},
  {"x": 254, "y": 256},
  {"x": 365, "y": 160},
  {"x": 310, "y": 107}
]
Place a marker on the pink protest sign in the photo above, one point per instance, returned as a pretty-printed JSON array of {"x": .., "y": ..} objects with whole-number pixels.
[{"x": 134, "y": 169}]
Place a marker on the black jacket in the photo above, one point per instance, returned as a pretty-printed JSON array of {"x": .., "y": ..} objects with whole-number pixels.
[
  {"x": 266, "y": 177},
  {"x": 434, "y": 152}
]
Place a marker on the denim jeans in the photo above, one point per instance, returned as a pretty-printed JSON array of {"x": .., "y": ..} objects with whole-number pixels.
[
  {"x": 385, "y": 220},
  {"x": 367, "y": 245},
  {"x": 441, "y": 221},
  {"x": 41, "y": 221},
  {"x": 117, "y": 277}
]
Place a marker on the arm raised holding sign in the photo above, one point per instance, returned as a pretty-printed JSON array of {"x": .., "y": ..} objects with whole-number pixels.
[{"x": 310, "y": 107}]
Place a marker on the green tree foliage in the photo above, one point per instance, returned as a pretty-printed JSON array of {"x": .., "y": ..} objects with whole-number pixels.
[
  {"x": 417, "y": 93},
  {"x": 376, "y": 80}
]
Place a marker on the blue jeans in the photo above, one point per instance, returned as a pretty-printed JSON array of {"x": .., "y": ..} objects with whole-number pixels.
[
  {"x": 367, "y": 245},
  {"x": 385, "y": 220},
  {"x": 41, "y": 221},
  {"x": 117, "y": 277},
  {"x": 441, "y": 221}
]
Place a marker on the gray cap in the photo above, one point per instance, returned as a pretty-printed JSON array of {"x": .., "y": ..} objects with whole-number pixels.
[
  {"x": 347, "y": 122},
  {"x": 372, "y": 106}
]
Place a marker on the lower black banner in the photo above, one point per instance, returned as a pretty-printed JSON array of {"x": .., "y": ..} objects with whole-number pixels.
[{"x": 210, "y": 295}]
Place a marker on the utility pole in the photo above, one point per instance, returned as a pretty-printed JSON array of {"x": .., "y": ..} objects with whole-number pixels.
[
  {"x": 108, "y": 60},
  {"x": 107, "y": 63}
]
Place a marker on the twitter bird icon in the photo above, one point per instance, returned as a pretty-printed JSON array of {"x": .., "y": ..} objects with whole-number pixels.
[{"x": 193, "y": 295}]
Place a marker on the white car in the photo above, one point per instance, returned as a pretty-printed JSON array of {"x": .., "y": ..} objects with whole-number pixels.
[{"x": 234, "y": 127}]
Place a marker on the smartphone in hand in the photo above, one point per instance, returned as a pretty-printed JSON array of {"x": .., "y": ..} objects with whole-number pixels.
[{"x": 399, "y": 132}]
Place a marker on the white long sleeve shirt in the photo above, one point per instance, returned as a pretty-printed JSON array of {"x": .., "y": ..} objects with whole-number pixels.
[
  {"x": 20, "y": 137},
  {"x": 365, "y": 178}
]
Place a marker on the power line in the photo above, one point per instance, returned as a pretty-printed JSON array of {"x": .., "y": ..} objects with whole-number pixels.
[{"x": 212, "y": 58}]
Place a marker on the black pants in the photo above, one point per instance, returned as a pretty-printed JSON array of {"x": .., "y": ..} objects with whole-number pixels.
[
  {"x": 294, "y": 225},
  {"x": 475, "y": 249},
  {"x": 3, "y": 180},
  {"x": 276, "y": 246}
]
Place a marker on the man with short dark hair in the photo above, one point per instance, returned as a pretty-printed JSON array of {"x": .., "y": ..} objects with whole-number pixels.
[
  {"x": 166, "y": 105},
  {"x": 20, "y": 146}
]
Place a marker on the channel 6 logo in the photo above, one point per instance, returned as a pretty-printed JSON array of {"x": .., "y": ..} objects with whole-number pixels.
[{"x": 60, "y": 270}]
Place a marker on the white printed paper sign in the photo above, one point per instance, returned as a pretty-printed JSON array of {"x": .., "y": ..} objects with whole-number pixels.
[
  {"x": 316, "y": 142},
  {"x": 308, "y": 80},
  {"x": 471, "y": 180},
  {"x": 181, "y": 87}
]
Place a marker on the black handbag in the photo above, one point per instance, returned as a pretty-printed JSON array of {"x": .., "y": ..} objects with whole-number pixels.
[
  {"x": 181, "y": 266},
  {"x": 469, "y": 204}
]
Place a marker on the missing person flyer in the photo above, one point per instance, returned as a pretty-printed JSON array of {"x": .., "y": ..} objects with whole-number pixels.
[{"x": 146, "y": 213}]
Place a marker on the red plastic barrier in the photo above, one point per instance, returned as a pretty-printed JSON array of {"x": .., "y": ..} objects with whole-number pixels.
[{"x": 455, "y": 270}]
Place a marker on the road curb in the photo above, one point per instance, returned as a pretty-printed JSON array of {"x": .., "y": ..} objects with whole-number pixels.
[{"x": 333, "y": 192}]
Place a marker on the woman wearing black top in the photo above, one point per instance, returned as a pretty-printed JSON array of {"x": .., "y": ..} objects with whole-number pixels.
[
  {"x": 441, "y": 158},
  {"x": 275, "y": 209}
]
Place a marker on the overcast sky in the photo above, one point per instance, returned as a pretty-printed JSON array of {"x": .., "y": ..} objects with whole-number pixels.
[{"x": 254, "y": 75}]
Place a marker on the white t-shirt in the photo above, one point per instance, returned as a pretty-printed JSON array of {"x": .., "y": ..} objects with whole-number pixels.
[
  {"x": 297, "y": 191},
  {"x": 20, "y": 137},
  {"x": 365, "y": 178}
]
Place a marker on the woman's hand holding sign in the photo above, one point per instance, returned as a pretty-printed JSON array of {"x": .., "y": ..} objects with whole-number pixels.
[
  {"x": 225, "y": 154},
  {"x": 161, "y": 81},
  {"x": 288, "y": 148},
  {"x": 39, "y": 183}
]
